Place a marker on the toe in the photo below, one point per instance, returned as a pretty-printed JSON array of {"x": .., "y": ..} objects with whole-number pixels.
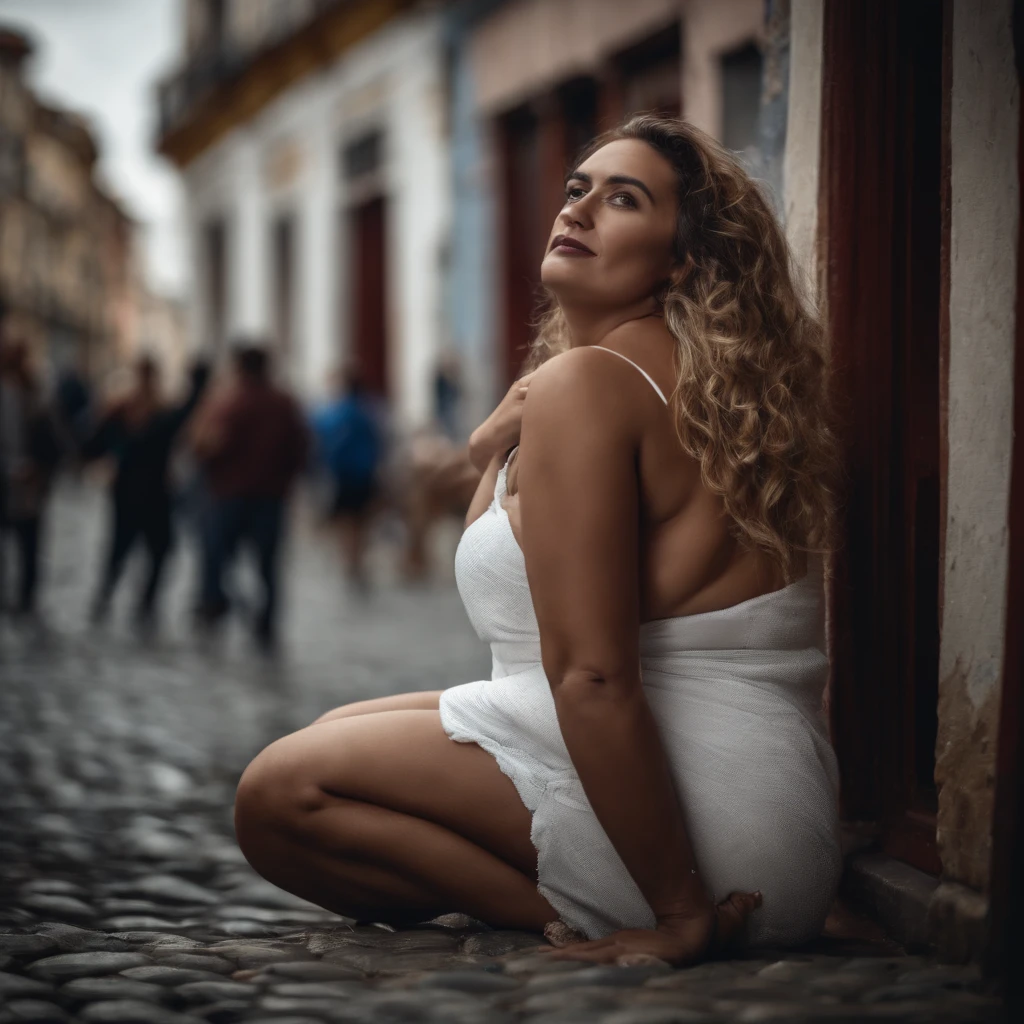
[
  {"x": 733, "y": 912},
  {"x": 744, "y": 903}
]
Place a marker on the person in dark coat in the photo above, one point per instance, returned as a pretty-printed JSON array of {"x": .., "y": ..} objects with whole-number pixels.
[
  {"x": 251, "y": 441},
  {"x": 139, "y": 433},
  {"x": 29, "y": 454}
]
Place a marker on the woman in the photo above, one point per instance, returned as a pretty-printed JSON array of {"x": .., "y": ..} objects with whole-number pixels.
[{"x": 646, "y": 567}]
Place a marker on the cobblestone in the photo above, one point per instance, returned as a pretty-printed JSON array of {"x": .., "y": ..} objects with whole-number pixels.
[
  {"x": 124, "y": 898},
  {"x": 84, "y": 965},
  {"x": 89, "y": 990}
]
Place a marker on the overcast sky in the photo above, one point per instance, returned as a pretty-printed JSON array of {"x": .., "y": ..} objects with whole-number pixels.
[{"x": 101, "y": 58}]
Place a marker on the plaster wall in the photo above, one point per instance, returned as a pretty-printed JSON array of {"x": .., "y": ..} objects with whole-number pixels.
[
  {"x": 801, "y": 167},
  {"x": 983, "y": 262},
  {"x": 526, "y": 46}
]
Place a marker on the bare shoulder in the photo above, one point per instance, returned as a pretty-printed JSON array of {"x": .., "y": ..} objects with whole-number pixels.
[
  {"x": 650, "y": 344},
  {"x": 574, "y": 367},
  {"x": 579, "y": 384}
]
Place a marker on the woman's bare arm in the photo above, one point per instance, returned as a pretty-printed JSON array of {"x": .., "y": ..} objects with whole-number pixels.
[{"x": 579, "y": 502}]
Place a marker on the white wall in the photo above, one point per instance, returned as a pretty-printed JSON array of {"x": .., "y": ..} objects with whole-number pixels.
[
  {"x": 419, "y": 181},
  {"x": 982, "y": 307},
  {"x": 802, "y": 160},
  {"x": 982, "y": 311}
]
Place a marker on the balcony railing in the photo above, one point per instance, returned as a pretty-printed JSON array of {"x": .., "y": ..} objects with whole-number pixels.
[
  {"x": 180, "y": 93},
  {"x": 220, "y": 63}
]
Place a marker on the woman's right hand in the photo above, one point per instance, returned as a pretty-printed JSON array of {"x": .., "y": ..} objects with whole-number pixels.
[{"x": 500, "y": 431}]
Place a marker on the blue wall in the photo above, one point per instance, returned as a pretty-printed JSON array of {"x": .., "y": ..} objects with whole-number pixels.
[{"x": 471, "y": 292}]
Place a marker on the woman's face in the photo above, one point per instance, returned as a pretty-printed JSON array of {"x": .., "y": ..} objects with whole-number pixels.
[{"x": 612, "y": 243}]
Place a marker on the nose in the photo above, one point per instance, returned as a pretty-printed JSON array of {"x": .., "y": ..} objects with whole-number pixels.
[{"x": 577, "y": 214}]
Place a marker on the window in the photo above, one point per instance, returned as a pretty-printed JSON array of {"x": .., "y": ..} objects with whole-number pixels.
[
  {"x": 216, "y": 24},
  {"x": 741, "y": 97},
  {"x": 650, "y": 73},
  {"x": 283, "y": 286},
  {"x": 363, "y": 156}
]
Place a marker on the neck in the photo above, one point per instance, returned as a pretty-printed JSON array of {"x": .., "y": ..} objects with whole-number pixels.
[{"x": 590, "y": 326}]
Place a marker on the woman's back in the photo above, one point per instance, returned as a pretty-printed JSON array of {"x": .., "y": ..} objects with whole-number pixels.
[{"x": 691, "y": 562}]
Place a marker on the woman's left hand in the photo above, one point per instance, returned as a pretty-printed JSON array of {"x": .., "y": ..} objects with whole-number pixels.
[{"x": 677, "y": 941}]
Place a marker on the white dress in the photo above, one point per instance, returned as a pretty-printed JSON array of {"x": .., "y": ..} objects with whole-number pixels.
[{"x": 737, "y": 697}]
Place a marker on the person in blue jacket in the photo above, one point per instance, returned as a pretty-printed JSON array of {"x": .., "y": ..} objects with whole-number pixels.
[{"x": 349, "y": 443}]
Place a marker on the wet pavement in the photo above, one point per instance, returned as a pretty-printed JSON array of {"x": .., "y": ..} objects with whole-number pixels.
[{"x": 124, "y": 898}]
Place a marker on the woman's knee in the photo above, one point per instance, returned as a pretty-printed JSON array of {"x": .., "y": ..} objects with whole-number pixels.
[
  {"x": 274, "y": 794},
  {"x": 344, "y": 711}
]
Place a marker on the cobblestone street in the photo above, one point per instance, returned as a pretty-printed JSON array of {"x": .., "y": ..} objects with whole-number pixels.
[{"x": 124, "y": 898}]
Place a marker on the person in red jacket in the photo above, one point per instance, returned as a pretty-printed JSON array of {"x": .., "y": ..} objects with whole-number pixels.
[{"x": 252, "y": 442}]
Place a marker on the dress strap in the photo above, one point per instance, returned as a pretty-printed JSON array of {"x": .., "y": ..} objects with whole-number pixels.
[{"x": 650, "y": 379}]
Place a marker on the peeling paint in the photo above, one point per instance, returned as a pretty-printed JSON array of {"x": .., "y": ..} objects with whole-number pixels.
[{"x": 965, "y": 775}]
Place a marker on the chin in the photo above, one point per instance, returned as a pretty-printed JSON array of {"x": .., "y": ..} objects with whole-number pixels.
[{"x": 568, "y": 276}]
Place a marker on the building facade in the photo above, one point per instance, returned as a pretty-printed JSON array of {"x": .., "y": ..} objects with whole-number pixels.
[
  {"x": 372, "y": 182},
  {"x": 65, "y": 244},
  {"x": 311, "y": 141}
]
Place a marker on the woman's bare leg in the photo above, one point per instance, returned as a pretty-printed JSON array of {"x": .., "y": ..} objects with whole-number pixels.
[
  {"x": 381, "y": 816},
  {"x": 425, "y": 701}
]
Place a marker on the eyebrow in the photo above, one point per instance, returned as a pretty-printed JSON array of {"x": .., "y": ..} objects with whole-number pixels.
[{"x": 614, "y": 179}]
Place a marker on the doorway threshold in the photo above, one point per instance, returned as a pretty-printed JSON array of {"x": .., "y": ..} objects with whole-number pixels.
[{"x": 895, "y": 894}]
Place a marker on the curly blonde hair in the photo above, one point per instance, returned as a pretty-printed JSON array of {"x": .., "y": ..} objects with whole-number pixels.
[{"x": 751, "y": 396}]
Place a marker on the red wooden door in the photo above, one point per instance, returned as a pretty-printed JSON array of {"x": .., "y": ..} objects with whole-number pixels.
[
  {"x": 884, "y": 169},
  {"x": 368, "y": 222}
]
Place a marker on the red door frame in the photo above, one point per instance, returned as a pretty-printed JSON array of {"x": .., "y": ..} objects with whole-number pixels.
[{"x": 885, "y": 324}]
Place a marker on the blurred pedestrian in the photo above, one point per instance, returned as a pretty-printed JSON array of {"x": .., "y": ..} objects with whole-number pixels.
[
  {"x": 440, "y": 480},
  {"x": 448, "y": 394},
  {"x": 138, "y": 433},
  {"x": 251, "y": 442},
  {"x": 350, "y": 446},
  {"x": 73, "y": 405},
  {"x": 29, "y": 454}
]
